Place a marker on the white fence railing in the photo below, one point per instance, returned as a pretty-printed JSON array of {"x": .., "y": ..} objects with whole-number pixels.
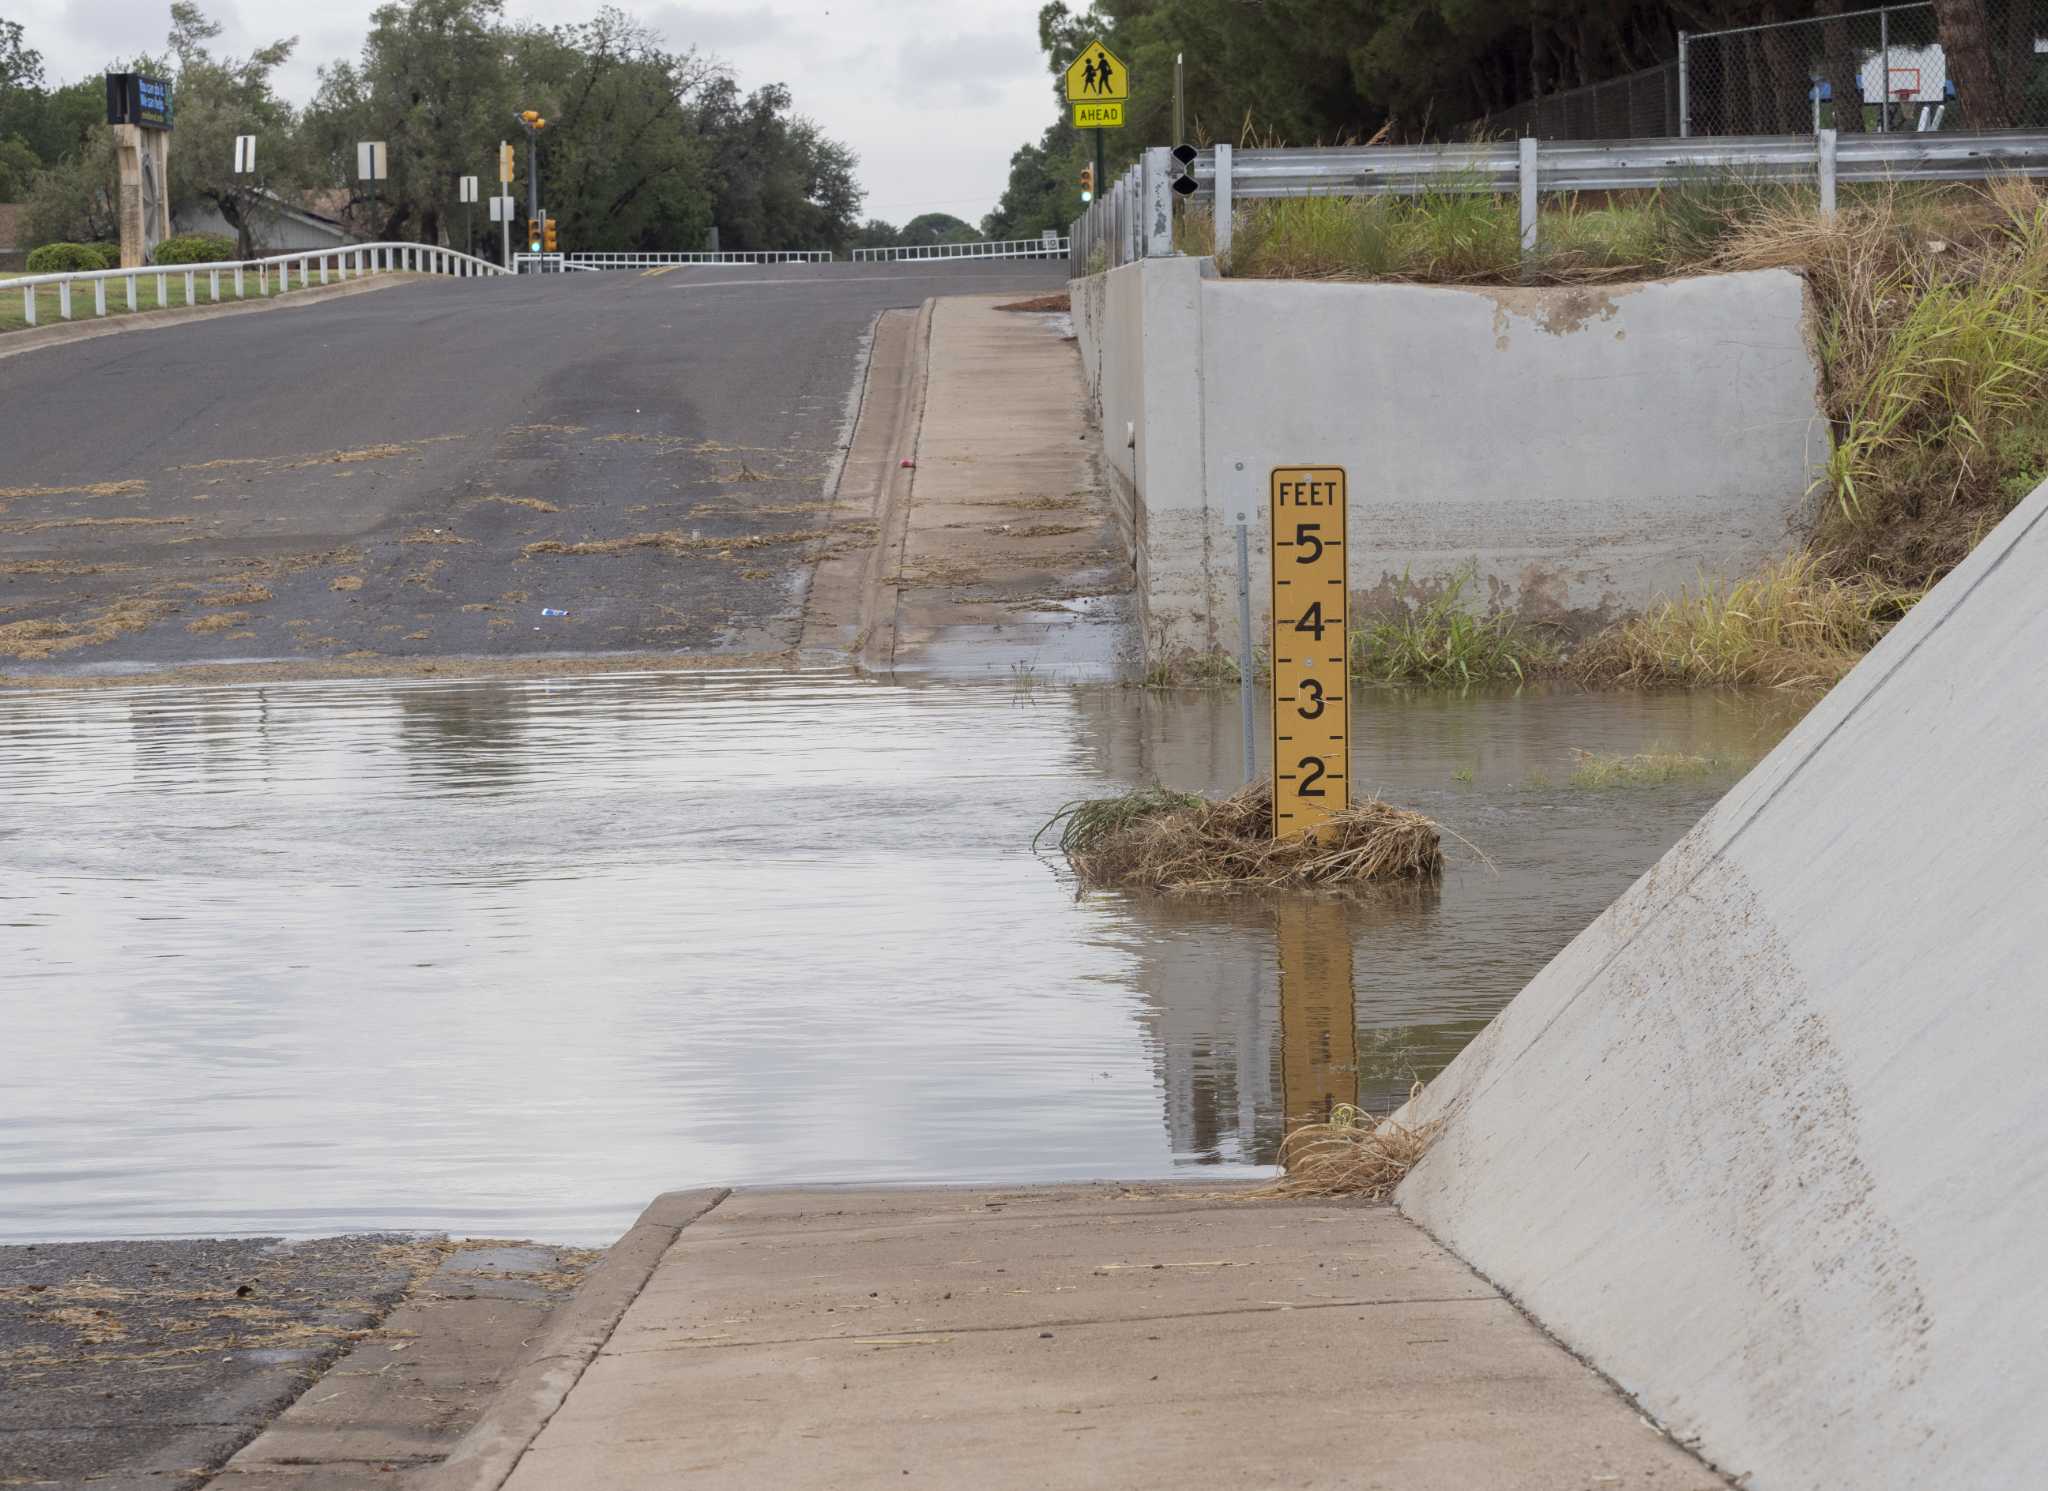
[
  {"x": 1010, "y": 248},
  {"x": 352, "y": 262},
  {"x": 738, "y": 256},
  {"x": 1133, "y": 219}
]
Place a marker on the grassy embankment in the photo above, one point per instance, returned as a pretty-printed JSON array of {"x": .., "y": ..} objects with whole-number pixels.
[
  {"x": 13, "y": 316},
  {"x": 1932, "y": 308}
]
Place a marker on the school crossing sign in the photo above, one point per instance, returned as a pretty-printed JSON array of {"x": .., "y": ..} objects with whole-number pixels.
[{"x": 1097, "y": 86}]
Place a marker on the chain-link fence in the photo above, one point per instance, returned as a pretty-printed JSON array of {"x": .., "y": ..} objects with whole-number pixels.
[
  {"x": 1642, "y": 105},
  {"x": 1982, "y": 64}
]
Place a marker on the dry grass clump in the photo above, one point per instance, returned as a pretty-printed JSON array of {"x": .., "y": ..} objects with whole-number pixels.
[
  {"x": 1162, "y": 839},
  {"x": 217, "y": 621},
  {"x": 1353, "y": 1154},
  {"x": 675, "y": 543},
  {"x": 34, "y": 641},
  {"x": 1794, "y": 626},
  {"x": 1043, "y": 303}
]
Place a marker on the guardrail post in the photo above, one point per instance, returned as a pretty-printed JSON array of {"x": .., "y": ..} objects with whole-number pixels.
[
  {"x": 131, "y": 292},
  {"x": 1529, "y": 199},
  {"x": 239, "y": 292},
  {"x": 1827, "y": 173},
  {"x": 323, "y": 269},
  {"x": 99, "y": 297},
  {"x": 1157, "y": 176},
  {"x": 64, "y": 299},
  {"x": 163, "y": 291},
  {"x": 28, "y": 304},
  {"x": 191, "y": 287},
  {"x": 213, "y": 284},
  {"x": 1223, "y": 209}
]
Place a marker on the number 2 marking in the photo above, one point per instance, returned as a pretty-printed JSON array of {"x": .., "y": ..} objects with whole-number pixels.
[{"x": 1313, "y": 766}]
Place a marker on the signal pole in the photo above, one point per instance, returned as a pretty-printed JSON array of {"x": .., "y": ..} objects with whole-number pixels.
[{"x": 533, "y": 124}]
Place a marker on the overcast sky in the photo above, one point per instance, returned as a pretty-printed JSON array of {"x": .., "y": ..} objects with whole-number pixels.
[{"x": 932, "y": 94}]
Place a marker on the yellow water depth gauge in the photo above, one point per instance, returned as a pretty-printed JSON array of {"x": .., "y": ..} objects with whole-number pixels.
[{"x": 1311, "y": 692}]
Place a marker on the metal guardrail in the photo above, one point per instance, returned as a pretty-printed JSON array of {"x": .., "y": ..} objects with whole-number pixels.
[
  {"x": 354, "y": 261},
  {"x": 737, "y": 256},
  {"x": 1008, "y": 248},
  {"x": 1127, "y": 223}
]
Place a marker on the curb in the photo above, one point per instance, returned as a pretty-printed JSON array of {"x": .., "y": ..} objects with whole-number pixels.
[
  {"x": 17, "y": 343},
  {"x": 892, "y": 514},
  {"x": 485, "y": 1457}
]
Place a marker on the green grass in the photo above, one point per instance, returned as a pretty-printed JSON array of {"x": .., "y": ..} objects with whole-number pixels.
[
  {"x": 1455, "y": 234},
  {"x": 13, "y": 312},
  {"x": 1652, "y": 768},
  {"x": 1194, "y": 670},
  {"x": 1443, "y": 643},
  {"x": 1792, "y": 626}
]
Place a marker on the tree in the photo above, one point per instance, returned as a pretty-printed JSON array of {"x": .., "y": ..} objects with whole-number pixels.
[
  {"x": 781, "y": 183},
  {"x": 874, "y": 233},
  {"x": 18, "y": 165},
  {"x": 624, "y": 164},
  {"x": 216, "y": 100},
  {"x": 1044, "y": 189},
  {"x": 936, "y": 227},
  {"x": 434, "y": 83},
  {"x": 1981, "y": 87},
  {"x": 74, "y": 200}
]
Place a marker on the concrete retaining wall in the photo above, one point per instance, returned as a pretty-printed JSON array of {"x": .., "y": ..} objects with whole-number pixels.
[
  {"x": 1574, "y": 451},
  {"x": 1768, "y": 1143}
]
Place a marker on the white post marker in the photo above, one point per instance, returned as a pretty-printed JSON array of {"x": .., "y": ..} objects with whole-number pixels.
[
  {"x": 372, "y": 162},
  {"x": 245, "y": 155},
  {"x": 469, "y": 188}
]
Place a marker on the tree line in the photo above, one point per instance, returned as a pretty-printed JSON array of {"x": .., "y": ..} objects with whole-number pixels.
[
  {"x": 645, "y": 147},
  {"x": 1306, "y": 72}
]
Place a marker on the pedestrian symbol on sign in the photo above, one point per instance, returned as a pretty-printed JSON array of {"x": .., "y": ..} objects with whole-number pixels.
[{"x": 1097, "y": 77}]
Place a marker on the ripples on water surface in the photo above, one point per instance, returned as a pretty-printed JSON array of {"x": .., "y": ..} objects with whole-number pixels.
[{"x": 511, "y": 957}]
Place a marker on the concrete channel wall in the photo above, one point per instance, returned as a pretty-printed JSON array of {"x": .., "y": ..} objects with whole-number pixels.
[
  {"x": 1768, "y": 1142},
  {"x": 1574, "y": 451}
]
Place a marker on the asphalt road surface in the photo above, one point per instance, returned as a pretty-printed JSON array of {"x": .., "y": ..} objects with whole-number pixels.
[{"x": 369, "y": 477}]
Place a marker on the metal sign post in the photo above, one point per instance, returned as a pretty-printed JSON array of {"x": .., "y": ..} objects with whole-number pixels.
[
  {"x": 372, "y": 165},
  {"x": 503, "y": 209},
  {"x": 1311, "y": 637},
  {"x": 1097, "y": 86},
  {"x": 468, "y": 185}
]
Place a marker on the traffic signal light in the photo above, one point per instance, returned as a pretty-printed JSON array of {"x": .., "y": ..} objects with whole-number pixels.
[
  {"x": 533, "y": 119},
  {"x": 1087, "y": 183},
  {"x": 547, "y": 228},
  {"x": 533, "y": 235}
]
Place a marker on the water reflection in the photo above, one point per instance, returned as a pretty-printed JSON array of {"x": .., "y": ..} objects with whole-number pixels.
[{"x": 513, "y": 956}]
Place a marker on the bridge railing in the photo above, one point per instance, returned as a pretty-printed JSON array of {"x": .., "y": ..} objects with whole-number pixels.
[
  {"x": 351, "y": 262},
  {"x": 1010, "y": 248},
  {"x": 1133, "y": 217},
  {"x": 737, "y": 256}
]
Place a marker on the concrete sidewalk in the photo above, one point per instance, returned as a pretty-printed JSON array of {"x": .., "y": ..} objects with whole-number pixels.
[
  {"x": 975, "y": 534},
  {"x": 1095, "y": 1336}
]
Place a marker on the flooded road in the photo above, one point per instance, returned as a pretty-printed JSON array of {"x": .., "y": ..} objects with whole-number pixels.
[{"x": 511, "y": 957}]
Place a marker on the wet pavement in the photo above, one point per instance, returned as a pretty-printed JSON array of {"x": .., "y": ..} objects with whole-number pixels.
[
  {"x": 510, "y": 956},
  {"x": 559, "y": 465}
]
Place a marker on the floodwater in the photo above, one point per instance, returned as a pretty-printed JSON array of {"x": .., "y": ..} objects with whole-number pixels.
[{"x": 510, "y": 957}]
